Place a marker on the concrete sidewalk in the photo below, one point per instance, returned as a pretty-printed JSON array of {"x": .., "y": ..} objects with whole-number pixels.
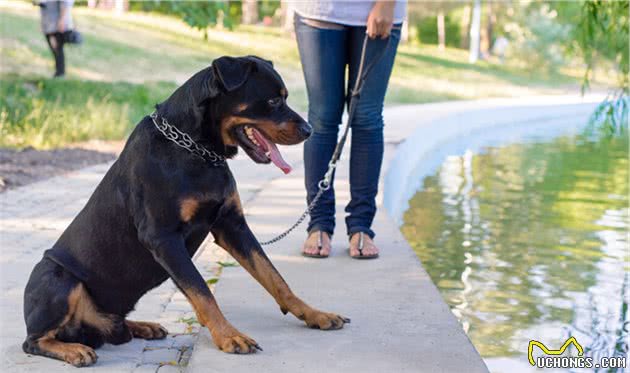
[{"x": 399, "y": 320}]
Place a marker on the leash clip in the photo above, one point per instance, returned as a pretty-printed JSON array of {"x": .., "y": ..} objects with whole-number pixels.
[{"x": 325, "y": 183}]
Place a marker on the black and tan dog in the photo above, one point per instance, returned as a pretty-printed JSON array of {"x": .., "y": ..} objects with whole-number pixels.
[{"x": 153, "y": 209}]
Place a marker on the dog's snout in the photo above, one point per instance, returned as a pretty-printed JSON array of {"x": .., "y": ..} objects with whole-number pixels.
[{"x": 306, "y": 130}]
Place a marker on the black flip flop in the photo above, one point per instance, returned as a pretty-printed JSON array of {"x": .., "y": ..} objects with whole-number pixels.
[
  {"x": 361, "y": 256},
  {"x": 319, "y": 247}
]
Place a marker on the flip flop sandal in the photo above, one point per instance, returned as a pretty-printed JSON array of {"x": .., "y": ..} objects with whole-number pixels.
[
  {"x": 319, "y": 248},
  {"x": 361, "y": 256}
]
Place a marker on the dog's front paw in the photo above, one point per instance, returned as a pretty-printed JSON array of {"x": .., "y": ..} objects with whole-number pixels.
[
  {"x": 325, "y": 320},
  {"x": 235, "y": 342},
  {"x": 78, "y": 354},
  {"x": 146, "y": 330}
]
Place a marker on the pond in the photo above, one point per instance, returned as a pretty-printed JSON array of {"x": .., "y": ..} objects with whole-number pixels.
[{"x": 530, "y": 241}]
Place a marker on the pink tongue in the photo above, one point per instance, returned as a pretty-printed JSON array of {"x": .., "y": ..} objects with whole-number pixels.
[{"x": 274, "y": 154}]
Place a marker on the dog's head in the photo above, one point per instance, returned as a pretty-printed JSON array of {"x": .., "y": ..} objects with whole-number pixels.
[{"x": 241, "y": 101}]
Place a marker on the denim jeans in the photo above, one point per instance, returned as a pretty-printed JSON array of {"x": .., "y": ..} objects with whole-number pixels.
[{"x": 325, "y": 53}]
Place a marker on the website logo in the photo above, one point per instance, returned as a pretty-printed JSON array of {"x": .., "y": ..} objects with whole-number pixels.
[{"x": 554, "y": 358}]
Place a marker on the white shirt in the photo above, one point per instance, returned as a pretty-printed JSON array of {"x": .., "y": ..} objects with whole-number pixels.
[
  {"x": 51, "y": 11},
  {"x": 345, "y": 12}
]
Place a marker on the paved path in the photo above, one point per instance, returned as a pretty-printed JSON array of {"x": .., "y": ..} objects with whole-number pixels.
[{"x": 400, "y": 322}]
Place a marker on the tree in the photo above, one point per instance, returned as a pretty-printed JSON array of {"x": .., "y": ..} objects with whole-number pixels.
[
  {"x": 437, "y": 8},
  {"x": 475, "y": 32},
  {"x": 464, "y": 27},
  {"x": 250, "y": 12},
  {"x": 197, "y": 14},
  {"x": 440, "y": 30},
  {"x": 603, "y": 32}
]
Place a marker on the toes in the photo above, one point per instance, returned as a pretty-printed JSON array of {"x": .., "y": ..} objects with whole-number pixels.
[
  {"x": 336, "y": 322},
  {"x": 160, "y": 332},
  {"x": 240, "y": 345},
  {"x": 310, "y": 250},
  {"x": 81, "y": 356},
  {"x": 327, "y": 321}
]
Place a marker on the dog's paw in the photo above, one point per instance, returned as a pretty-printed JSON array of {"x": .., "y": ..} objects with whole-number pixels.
[
  {"x": 146, "y": 330},
  {"x": 325, "y": 320},
  {"x": 236, "y": 343},
  {"x": 78, "y": 355}
]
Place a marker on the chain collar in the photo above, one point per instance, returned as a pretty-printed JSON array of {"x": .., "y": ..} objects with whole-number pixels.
[{"x": 183, "y": 140}]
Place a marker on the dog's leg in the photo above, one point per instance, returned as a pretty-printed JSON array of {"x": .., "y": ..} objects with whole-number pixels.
[
  {"x": 232, "y": 233},
  {"x": 78, "y": 308},
  {"x": 169, "y": 250},
  {"x": 146, "y": 330}
]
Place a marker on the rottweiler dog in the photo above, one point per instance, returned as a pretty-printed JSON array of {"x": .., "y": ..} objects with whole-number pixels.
[{"x": 167, "y": 191}]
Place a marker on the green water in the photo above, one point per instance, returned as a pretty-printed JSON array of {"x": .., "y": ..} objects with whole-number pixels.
[{"x": 530, "y": 241}]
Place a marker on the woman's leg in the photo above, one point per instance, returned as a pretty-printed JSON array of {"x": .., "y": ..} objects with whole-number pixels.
[
  {"x": 55, "y": 42},
  {"x": 323, "y": 54},
  {"x": 366, "y": 153}
]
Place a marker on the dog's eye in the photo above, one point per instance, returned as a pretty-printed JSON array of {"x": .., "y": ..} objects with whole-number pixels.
[{"x": 275, "y": 102}]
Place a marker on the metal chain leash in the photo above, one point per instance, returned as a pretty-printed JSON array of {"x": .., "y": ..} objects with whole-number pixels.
[
  {"x": 306, "y": 212},
  {"x": 183, "y": 140},
  {"x": 324, "y": 184}
]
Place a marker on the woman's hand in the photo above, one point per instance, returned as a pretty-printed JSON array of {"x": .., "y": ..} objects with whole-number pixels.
[
  {"x": 381, "y": 19},
  {"x": 61, "y": 26}
]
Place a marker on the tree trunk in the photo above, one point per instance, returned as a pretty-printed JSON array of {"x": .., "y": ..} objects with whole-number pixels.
[
  {"x": 250, "y": 12},
  {"x": 404, "y": 31},
  {"x": 286, "y": 9},
  {"x": 440, "y": 30},
  {"x": 464, "y": 27},
  {"x": 475, "y": 28},
  {"x": 492, "y": 19}
]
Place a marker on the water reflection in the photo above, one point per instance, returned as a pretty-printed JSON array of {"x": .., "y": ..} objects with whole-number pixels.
[{"x": 530, "y": 241}]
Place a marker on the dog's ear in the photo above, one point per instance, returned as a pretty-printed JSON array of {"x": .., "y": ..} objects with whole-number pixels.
[
  {"x": 232, "y": 72},
  {"x": 261, "y": 60}
]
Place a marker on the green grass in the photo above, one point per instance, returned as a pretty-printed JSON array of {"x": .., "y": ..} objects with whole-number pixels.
[
  {"x": 47, "y": 113},
  {"x": 132, "y": 61}
]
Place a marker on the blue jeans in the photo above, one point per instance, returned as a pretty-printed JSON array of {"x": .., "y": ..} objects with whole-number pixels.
[{"x": 325, "y": 53}]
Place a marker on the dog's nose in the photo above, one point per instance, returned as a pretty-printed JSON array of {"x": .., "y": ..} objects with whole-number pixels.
[{"x": 306, "y": 130}]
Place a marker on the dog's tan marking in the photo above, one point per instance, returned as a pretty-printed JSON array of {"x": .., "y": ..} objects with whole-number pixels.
[
  {"x": 188, "y": 208},
  {"x": 234, "y": 200},
  {"x": 82, "y": 308},
  {"x": 73, "y": 353},
  {"x": 146, "y": 330},
  {"x": 241, "y": 107},
  {"x": 283, "y": 92}
]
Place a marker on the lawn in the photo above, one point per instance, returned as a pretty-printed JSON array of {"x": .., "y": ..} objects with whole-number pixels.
[{"x": 129, "y": 62}]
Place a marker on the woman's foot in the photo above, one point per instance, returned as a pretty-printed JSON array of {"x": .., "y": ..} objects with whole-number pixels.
[
  {"x": 362, "y": 246},
  {"x": 317, "y": 245}
]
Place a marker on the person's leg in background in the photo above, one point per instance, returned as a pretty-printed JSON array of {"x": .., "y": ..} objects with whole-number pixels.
[
  {"x": 55, "y": 42},
  {"x": 366, "y": 153},
  {"x": 324, "y": 55}
]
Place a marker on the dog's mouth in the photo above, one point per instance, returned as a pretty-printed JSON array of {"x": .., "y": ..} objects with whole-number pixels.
[{"x": 259, "y": 148}]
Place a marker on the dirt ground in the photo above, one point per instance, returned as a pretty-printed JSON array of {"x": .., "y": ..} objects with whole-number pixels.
[{"x": 25, "y": 166}]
